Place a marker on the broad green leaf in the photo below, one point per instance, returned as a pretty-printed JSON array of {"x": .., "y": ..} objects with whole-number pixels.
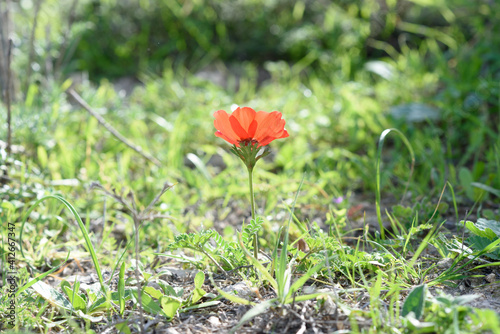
[
  {"x": 78, "y": 302},
  {"x": 88, "y": 317},
  {"x": 153, "y": 292},
  {"x": 199, "y": 279},
  {"x": 415, "y": 302},
  {"x": 485, "y": 246},
  {"x": 51, "y": 295},
  {"x": 64, "y": 284},
  {"x": 466, "y": 179},
  {"x": 169, "y": 290},
  {"x": 489, "y": 189},
  {"x": 484, "y": 228},
  {"x": 170, "y": 305},
  {"x": 100, "y": 304},
  {"x": 493, "y": 246},
  {"x": 148, "y": 304},
  {"x": 123, "y": 327},
  {"x": 480, "y": 243},
  {"x": 487, "y": 319},
  {"x": 197, "y": 295}
]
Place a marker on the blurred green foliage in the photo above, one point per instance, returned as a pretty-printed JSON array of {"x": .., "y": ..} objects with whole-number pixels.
[
  {"x": 133, "y": 35},
  {"x": 341, "y": 72},
  {"x": 125, "y": 37}
]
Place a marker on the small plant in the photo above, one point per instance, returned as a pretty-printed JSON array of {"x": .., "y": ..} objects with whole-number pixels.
[
  {"x": 278, "y": 274},
  {"x": 424, "y": 313},
  {"x": 229, "y": 253},
  {"x": 485, "y": 236},
  {"x": 139, "y": 216},
  {"x": 248, "y": 131}
]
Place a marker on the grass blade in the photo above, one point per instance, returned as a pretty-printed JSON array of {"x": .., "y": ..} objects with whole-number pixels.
[
  {"x": 40, "y": 277},
  {"x": 90, "y": 247},
  {"x": 379, "y": 158}
]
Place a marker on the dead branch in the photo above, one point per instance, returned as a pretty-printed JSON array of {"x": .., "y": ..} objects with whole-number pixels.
[
  {"x": 7, "y": 98},
  {"x": 71, "y": 92}
]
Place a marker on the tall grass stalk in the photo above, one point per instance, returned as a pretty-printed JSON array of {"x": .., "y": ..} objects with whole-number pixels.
[
  {"x": 379, "y": 158},
  {"x": 90, "y": 247}
]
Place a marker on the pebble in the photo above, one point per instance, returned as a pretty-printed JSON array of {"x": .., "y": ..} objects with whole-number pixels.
[
  {"x": 445, "y": 263},
  {"x": 239, "y": 289},
  {"x": 328, "y": 307},
  {"x": 214, "y": 321},
  {"x": 491, "y": 278}
]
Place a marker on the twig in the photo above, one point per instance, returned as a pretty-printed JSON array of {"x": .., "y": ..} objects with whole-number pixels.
[
  {"x": 112, "y": 194},
  {"x": 71, "y": 92},
  {"x": 213, "y": 260},
  {"x": 166, "y": 186},
  {"x": 7, "y": 98},
  {"x": 138, "y": 217},
  {"x": 32, "y": 44}
]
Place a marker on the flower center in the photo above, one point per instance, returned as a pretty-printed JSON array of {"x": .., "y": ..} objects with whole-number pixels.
[{"x": 248, "y": 142}]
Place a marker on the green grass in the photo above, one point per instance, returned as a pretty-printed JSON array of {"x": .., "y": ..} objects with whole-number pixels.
[{"x": 336, "y": 162}]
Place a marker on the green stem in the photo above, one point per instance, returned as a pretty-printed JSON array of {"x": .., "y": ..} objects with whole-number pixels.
[{"x": 252, "y": 201}]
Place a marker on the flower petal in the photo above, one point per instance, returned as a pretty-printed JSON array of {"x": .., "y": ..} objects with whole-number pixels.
[
  {"x": 252, "y": 128},
  {"x": 245, "y": 117},
  {"x": 237, "y": 128},
  {"x": 247, "y": 124},
  {"x": 284, "y": 134},
  {"x": 226, "y": 138},
  {"x": 223, "y": 125},
  {"x": 269, "y": 125},
  {"x": 266, "y": 141}
]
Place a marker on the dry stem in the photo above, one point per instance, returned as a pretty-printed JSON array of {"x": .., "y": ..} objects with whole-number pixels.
[{"x": 71, "y": 92}]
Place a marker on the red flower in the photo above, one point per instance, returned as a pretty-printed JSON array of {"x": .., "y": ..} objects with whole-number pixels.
[{"x": 247, "y": 125}]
